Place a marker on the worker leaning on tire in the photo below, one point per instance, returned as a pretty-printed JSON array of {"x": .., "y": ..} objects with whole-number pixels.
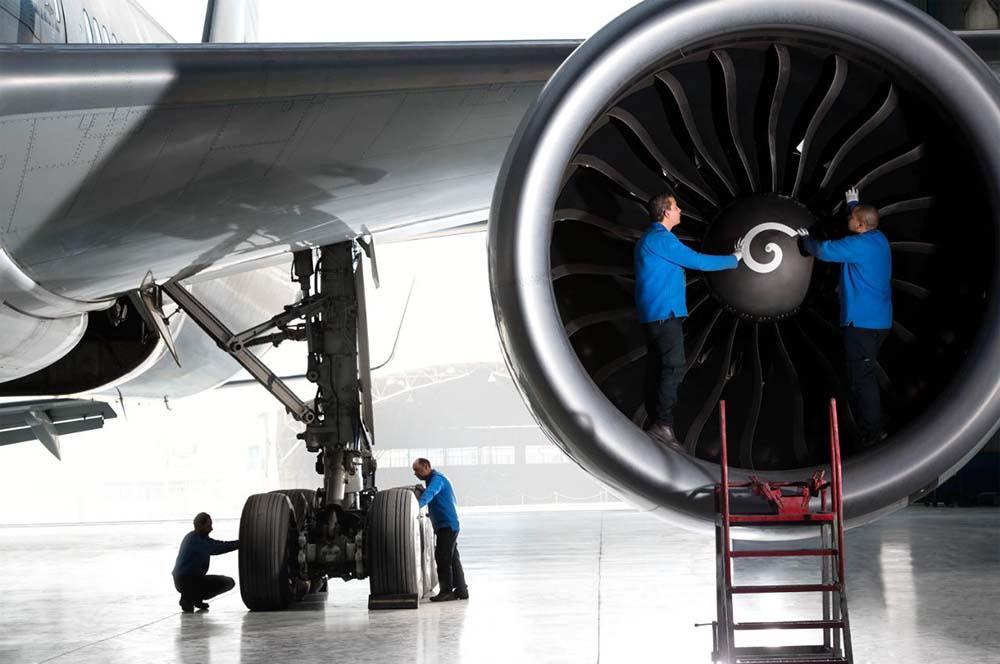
[{"x": 439, "y": 497}]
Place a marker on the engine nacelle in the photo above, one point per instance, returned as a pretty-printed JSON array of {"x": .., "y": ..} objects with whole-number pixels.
[{"x": 759, "y": 117}]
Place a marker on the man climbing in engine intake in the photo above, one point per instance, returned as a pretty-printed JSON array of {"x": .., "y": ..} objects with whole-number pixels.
[
  {"x": 661, "y": 301},
  {"x": 865, "y": 307},
  {"x": 191, "y": 577},
  {"x": 440, "y": 500}
]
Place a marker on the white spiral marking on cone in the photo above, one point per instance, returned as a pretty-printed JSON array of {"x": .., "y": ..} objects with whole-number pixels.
[{"x": 770, "y": 247}]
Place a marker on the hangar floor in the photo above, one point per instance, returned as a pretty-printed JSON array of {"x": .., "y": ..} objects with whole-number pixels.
[{"x": 582, "y": 586}]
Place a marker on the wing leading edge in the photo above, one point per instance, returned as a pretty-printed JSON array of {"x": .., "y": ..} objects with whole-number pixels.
[{"x": 177, "y": 160}]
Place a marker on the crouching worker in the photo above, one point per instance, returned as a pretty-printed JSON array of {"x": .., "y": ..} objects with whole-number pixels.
[
  {"x": 191, "y": 577},
  {"x": 440, "y": 499}
]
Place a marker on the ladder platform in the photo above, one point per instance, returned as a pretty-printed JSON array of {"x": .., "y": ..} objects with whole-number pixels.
[
  {"x": 791, "y": 624},
  {"x": 780, "y": 519},
  {"x": 800, "y": 588},
  {"x": 783, "y": 553}
]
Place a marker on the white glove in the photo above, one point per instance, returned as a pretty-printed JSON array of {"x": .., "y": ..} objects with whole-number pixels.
[
  {"x": 803, "y": 232},
  {"x": 738, "y": 250},
  {"x": 852, "y": 196}
]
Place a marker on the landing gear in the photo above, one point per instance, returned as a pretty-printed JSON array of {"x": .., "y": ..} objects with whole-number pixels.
[{"x": 292, "y": 541}]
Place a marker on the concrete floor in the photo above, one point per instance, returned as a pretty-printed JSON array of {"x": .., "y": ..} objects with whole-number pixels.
[{"x": 574, "y": 587}]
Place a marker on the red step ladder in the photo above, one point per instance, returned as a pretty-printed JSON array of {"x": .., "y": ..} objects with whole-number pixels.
[{"x": 789, "y": 504}]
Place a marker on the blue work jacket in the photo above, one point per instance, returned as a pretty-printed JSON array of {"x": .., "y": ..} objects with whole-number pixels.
[
  {"x": 865, "y": 276},
  {"x": 440, "y": 500},
  {"x": 660, "y": 286},
  {"x": 195, "y": 553}
]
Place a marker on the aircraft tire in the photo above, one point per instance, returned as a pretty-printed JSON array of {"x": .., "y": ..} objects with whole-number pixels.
[
  {"x": 394, "y": 550},
  {"x": 302, "y": 503},
  {"x": 266, "y": 537}
]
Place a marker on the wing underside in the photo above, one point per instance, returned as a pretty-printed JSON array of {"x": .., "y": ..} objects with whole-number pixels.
[{"x": 47, "y": 419}]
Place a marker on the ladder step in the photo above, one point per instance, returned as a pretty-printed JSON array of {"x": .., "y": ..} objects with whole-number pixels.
[
  {"x": 791, "y": 624},
  {"x": 790, "y": 660},
  {"x": 788, "y": 655},
  {"x": 806, "y": 588},
  {"x": 783, "y": 553},
  {"x": 779, "y": 519}
]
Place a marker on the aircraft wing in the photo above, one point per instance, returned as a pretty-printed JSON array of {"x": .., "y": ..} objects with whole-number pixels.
[
  {"x": 47, "y": 419},
  {"x": 195, "y": 162},
  {"x": 184, "y": 162},
  {"x": 177, "y": 159}
]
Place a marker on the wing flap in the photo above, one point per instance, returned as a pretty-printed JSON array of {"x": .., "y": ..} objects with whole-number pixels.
[{"x": 47, "y": 419}]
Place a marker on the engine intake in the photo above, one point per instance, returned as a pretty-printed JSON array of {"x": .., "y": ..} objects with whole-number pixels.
[{"x": 759, "y": 118}]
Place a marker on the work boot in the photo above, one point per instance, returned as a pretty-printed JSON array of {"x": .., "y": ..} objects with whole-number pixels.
[
  {"x": 664, "y": 435},
  {"x": 444, "y": 597},
  {"x": 201, "y": 606},
  {"x": 186, "y": 606},
  {"x": 462, "y": 594}
]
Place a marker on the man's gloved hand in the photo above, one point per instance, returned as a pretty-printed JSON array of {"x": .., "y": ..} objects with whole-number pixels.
[
  {"x": 418, "y": 489},
  {"x": 738, "y": 250},
  {"x": 803, "y": 232},
  {"x": 852, "y": 197}
]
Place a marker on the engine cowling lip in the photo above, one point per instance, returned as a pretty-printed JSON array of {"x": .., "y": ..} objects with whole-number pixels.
[{"x": 541, "y": 358}]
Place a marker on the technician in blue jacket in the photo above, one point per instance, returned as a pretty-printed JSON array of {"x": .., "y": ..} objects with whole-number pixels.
[
  {"x": 865, "y": 307},
  {"x": 661, "y": 301},
  {"x": 191, "y": 577},
  {"x": 439, "y": 498}
]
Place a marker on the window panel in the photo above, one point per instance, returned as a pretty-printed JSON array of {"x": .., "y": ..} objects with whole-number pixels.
[
  {"x": 462, "y": 456},
  {"x": 498, "y": 455},
  {"x": 544, "y": 454}
]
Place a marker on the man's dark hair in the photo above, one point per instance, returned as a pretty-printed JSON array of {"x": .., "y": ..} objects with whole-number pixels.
[
  {"x": 423, "y": 462},
  {"x": 201, "y": 519},
  {"x": 659, "y": 205},
  {"x": 867, "y": 215}
]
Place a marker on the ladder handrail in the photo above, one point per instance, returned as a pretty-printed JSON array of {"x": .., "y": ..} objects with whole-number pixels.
[
  {"x": 727, "y": 544},
  {"x": 838, "y": 488},
  {"x": 835, "y": 620}
]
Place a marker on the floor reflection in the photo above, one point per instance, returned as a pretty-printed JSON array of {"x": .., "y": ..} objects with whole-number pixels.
[{"x": 557, "y": 587}]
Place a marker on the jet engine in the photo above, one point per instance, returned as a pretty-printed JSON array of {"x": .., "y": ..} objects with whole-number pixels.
[{"x": 759, "y": 115}]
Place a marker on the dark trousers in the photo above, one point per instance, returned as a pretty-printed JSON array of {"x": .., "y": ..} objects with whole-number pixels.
[
  {"x": 664, "y": 368},
  {"x": 861, "y": 346},
  {"x": 195, "y": 589},
  {"x": 451, "y": 576}
]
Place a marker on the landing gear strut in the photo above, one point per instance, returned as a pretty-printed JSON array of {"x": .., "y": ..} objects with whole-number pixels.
[{"x": 292, "y": 541}]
